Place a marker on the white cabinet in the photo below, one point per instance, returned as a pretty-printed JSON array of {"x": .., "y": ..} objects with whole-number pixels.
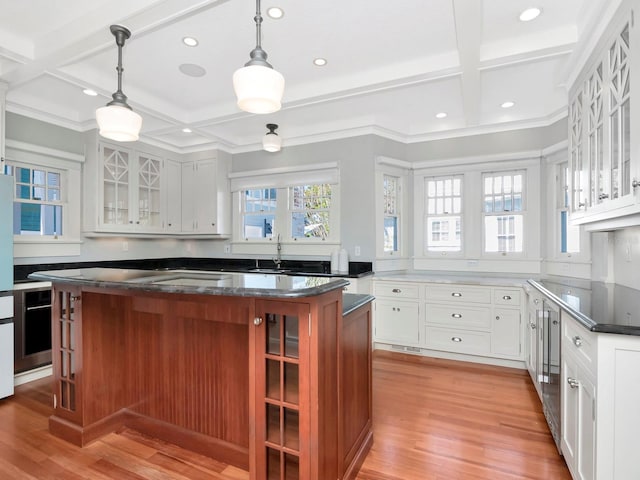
[
  {"x": 122, "y": 191},
  {"x": 173, "y": 196},
  {"x": 451, "y": 318},
  {"x": 397, "y": 313},
  {"x": 474, "y": 320},
  {"x": 359, "y": 285},
  {"x": 604, "y": 155},
  {"x": 205, "y": 198},
  {"x": 578, "y": 393}
]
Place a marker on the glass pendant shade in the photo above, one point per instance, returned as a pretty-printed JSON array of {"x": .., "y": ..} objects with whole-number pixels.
[
  {"x": 259, "y": 89},
  {"x": 271, "y": 142},
  {"x": 118, "y": 123}
]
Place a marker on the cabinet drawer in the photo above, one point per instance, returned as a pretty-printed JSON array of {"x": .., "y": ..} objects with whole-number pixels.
[
  {"x": 459, "y": 316},
  {"x": 579, "y": 341},
  {"x": 458, "y": 293},
  {"x": 462, "y": 341},
  {"x": 507, "y": 296},
  {"x": 396, "y": 289}
]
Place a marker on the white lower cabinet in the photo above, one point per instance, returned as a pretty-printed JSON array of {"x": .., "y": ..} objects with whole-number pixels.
[
  {"x": 600, "y": 394},
  {"x": 578, "y": 418},
  {"x": 397, "y": 322},
  {"x": 456, "y": 318}
]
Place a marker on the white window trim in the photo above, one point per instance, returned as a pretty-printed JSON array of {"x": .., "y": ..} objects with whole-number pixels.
[
  {"x": 423, "y": 247},
  {"x": 283, "y": 179},
  {"x": 553, "y": 159},
  {"x": 401, "y": 170},
  {"x": 70, "y": 166}
]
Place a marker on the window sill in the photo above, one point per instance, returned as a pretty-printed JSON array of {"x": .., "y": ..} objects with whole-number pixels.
[{"x": 290, "y": 248}]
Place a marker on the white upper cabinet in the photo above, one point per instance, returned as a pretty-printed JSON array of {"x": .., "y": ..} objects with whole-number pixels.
[
  {"x": 604, "y": 155},
  {"x": 128, "y": 191},
  {"x": 123, "y": 191}
]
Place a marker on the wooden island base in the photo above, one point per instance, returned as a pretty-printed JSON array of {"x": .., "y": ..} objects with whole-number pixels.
[{"x": 269, "y": 385}]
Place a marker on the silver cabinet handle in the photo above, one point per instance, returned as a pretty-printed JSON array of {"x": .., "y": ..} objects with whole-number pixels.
[
  {"x": 603, "y": 196},
  {"x": 456, "y": 339},
  {"x": 257, "y": 321},
  {"x": 396, "y": 290},
  {"x": 497, "y": 317},
  {"x": 456, "y": 294},
  {"x": 456, "y": 315},
  {"x": 536, "y": 301},
  {"x": 506, "y": 297},
  {"x": 533, "y": 326},
  {"x": 573, "y": 383},
  {"x": 577, "y": 341},
  {"x": 395, "y": 309},
  {"x": 39, "y": 307}
]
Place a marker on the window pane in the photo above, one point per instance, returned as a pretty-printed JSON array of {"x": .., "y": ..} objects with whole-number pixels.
[
  {"x": 39, "y": 177},
  {"x": 503, "y": 233},
  {"x": 311, "y": 205},
  {"x": 36, "y": 219},
  {"x": 438, "y": 234},
  {"x": 258, "y": 226},
  {"x": 390, "y": 234},
  {"x": 53, "y": 179}
]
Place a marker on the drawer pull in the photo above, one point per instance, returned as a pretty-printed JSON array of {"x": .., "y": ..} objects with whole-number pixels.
[
  {"x": 396, "y": 290},
  {"x": 456, "y": 339},
  {"x": 497, "y": 317},
  {"x": 456, "y": 315},
  {"x": 573, "y": 383},
  {"x": 536, "y": 301},
  {"x": 533, "y": 326},
  {"x": 395, "y": 309},
  {"x": 257, "y": 321},
  {"x": 506, "y": 297},
  {"x": 577, "y": 341},
  {"x": 456, "y": 294}
]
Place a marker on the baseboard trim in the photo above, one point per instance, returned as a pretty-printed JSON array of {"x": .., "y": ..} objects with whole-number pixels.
[{"x": 31, "y": 375}]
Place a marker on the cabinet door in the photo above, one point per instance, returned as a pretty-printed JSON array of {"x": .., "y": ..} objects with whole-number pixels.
[
  {"x": 205, "y": 197},
  {"x": 148, "y": 209},
  {"x": 282, "y": 388},
  {"x": 199, "y": 196},
  {"x": 173, "y": 195},
  {"x": 570, "y": 402},
  {"x": 66, "y": 337},
  {"x": 586, "y": 429},
  {"x": 116, "y": 180},
  {"x": 397, "y": 322},
  {"x": 505, "y": 334}
]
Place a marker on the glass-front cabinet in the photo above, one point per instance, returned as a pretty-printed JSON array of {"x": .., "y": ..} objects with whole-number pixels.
[
  {"x": 604, "y": 156},
  {"x": 131, "y": 190},
  {"x": 282, "y": 390}
]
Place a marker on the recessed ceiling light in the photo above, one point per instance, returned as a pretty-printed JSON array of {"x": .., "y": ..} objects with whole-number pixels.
[
  {"x": 190, "y": 41},
  {"x": 530, "y": 14},
  {"x": 275, "y": 12},
  {"x": 319, "y": 62},
  {"x": 507, "y": 104},
  {"x": 91, "y": 93},
  {"x": 192, "y": 70},
  {"x": 441, "y": 115},
  {"x": 187, "y": 130}
]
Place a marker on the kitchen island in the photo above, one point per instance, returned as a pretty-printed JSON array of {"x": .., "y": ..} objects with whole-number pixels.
[{"x": 259, "y": 371}]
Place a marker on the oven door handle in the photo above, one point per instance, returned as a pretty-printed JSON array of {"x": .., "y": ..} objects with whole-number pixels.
[{"x": 38, "y": 307}]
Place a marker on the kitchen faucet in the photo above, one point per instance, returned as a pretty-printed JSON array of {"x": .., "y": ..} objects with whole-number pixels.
[{"x": 278, "y": 259}]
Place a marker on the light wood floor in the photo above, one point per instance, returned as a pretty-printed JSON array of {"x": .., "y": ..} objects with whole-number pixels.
[{"x": 433, "y": 420}]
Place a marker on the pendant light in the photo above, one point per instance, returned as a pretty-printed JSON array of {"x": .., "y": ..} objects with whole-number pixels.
[
  {"x": 271, "y": 142},
  {"x": 258, "y": 86},
  {"x": 117, "y": 121}
]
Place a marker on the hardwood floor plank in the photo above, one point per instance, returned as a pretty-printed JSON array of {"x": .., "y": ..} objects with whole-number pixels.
[{"x": 434, "y": 419}]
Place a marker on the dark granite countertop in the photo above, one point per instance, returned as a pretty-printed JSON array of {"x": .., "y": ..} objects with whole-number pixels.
[
  {"x": 598, "y": 306},
  {"x": 353, "y": 301},
  {"x": 195, "y": 282}
]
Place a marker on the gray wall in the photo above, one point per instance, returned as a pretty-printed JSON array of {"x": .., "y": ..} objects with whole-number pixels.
[{"x": 36, "y": 132}]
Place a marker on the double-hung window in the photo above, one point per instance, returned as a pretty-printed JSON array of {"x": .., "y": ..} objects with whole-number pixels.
[
  {"x": 503, "y": 210},
  {"x": 443, "y": 222},
  {"x": 38, "y": 206}
]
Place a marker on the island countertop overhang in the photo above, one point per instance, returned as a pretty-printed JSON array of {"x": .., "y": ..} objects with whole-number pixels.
[{"x": 195, "y": 282}]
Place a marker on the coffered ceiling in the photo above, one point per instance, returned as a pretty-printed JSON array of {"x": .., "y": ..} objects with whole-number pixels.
[{"x": 391, "y": 65}]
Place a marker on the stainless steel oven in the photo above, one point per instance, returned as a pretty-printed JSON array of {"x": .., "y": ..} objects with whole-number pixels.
[
  {"x": 550, "y": 378},
  {"x": 32, "y": 322}
]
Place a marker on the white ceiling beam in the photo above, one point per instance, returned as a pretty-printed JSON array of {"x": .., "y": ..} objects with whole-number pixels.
[{"x": 468, "y": 21}]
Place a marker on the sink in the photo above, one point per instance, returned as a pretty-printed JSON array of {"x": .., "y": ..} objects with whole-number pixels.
[{"x": 269, "y": 270}]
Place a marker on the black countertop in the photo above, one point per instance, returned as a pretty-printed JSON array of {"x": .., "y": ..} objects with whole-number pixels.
[
  {"x": 195, "y": 282},
  {"x": 316, "y": 268},
  {"x": 353, "y": 301},
  {"x": 599, "y": 307}
]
